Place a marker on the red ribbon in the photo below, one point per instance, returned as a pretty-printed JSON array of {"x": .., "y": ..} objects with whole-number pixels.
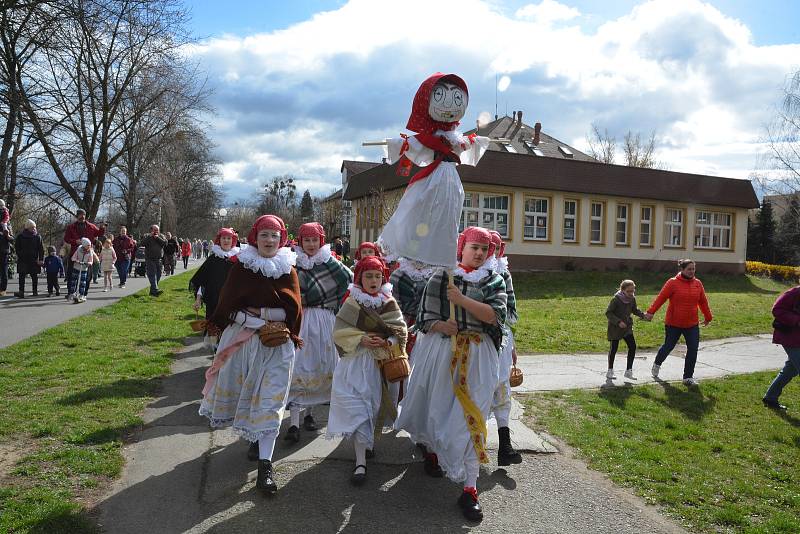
[{"x": 435, "y": 143}]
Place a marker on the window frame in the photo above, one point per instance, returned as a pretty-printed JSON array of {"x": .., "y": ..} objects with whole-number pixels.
[
  {"x": 549, "y": 217},
  {"x": 712, "y": 226},
  {"x": 577, "y": 228},
  {"x": 651, "y": 222},
  {"x": 627, "y": 242},
  {"x": 603, "y": 224},
  {"x": 495, "y": 193},
  {"x": 683, "y": 210}
]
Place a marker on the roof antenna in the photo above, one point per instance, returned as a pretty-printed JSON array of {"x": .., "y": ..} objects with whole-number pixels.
[{"x": 495, "y": 96}]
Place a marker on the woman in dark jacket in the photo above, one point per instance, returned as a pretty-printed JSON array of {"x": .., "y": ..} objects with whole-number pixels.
[
  {"x": 786, "y": 311},
  {"x": 30, "y": 257}
]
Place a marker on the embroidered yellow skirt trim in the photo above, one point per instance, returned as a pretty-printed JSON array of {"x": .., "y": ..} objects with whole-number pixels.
[{"x": 475, "y": 422}]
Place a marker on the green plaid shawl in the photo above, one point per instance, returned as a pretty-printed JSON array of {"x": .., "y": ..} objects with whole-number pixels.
[
  {"x": 324, "y": 285},
  {"x": 511, "y": 302},
  {"x": 435, "y": 306},
  {"x": 407, "y": 292}
]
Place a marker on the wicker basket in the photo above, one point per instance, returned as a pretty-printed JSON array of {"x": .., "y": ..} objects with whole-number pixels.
[
  {"x": 396, "y": 369},
  {"x": 198, "y": 325},
  {"x": 516, "y": 377}
]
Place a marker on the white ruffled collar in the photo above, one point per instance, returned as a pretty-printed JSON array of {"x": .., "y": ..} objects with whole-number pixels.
[
  {"x": 365, "y": 299},
  {"x": 414, "y": 272},
  {"x": 304, "y": 261},
  {"x": 502, "y": 264},
  {"x": 217, "y": 251},
  {"x": 474, "y": 276},
  {"x": 275, "y": 267}
]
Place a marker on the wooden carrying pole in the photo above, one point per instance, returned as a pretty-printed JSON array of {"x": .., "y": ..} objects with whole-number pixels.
[{"x": 386, "y": 142}]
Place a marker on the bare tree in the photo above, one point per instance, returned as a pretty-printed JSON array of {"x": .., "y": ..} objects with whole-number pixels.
[
  {"x": 602, "y": 145},
  {"x": 640, "y": 152},
  {"x": 279, "y": 196},
  {"x": 781, "y": 162},
  {"x": 75, "y": 93}
]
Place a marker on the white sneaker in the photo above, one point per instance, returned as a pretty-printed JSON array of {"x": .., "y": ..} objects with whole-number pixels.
[
  {"x": 654, "y": 371},
  {"x": 629, "y": 374},
  {"x": 105, "y": 290},
  {"x": 690, "y": 382},
  {"x": 81, "y": 299},
  {"x": 610, "y": 374}
]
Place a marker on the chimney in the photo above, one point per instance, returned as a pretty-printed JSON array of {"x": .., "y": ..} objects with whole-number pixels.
[
  {"x": 477, "y": 125},
  {"x": 514, "y": 117},
  {"x": 519, "y": 117},
  {"x": 537, "y": 128}
]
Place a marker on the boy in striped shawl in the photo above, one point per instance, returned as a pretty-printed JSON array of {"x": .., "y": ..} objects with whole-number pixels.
[
  {"x": 451, "y": 386},
  {"x": 501, "y": 403},
  {"x": 323, "y": 284}
]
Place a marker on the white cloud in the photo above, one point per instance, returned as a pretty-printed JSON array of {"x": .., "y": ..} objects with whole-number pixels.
[
  {"x": 301, "y": 99},
  {"x": 547, "y": 12}
]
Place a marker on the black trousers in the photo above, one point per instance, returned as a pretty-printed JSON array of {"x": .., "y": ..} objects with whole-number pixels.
[
  {"x": 185, "y": 262},
  {"x": 52, "y": 284},
  {"x": 34, "y": 282},
  {"x": 631, "y": 342}
]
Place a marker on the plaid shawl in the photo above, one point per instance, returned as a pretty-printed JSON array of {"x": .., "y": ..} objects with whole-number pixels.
[
  {"x": 407, "y": 292},
  {"x": 324, "y": 285},
  {"x": 354, "y": 320},
  {"x": 435, "y": 306},
  {"x": 511, "y": 300}
]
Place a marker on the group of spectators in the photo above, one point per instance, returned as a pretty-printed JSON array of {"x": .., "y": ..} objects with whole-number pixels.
[{"x": 88, "y": 250}]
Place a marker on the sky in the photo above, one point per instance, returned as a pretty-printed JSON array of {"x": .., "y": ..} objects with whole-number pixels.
[{"x": 297, "y": 86}]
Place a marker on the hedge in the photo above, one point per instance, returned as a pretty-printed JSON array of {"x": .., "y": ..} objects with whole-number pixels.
[{"x": 776, "y": 272}]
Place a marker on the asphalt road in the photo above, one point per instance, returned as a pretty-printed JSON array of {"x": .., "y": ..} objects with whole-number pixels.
[{"x": 23, "y": 318}]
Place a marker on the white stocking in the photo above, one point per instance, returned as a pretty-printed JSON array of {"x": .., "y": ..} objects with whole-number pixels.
[
  {"x": 265, "y": 448},
  {"x": 472, "y": 467},
  {"x": 361, "y": 454},
  {"x": 295, "y": 416}
]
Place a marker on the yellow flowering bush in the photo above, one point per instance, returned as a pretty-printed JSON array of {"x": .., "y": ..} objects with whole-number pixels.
[{"x": 776, "y": 272}]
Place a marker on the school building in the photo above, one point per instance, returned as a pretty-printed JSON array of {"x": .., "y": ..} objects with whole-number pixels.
[{"x": 558, "y": 208}]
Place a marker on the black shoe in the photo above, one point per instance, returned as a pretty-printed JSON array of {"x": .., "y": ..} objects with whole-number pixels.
[
  {"x": 775, "y": 405},
  {"x": 19, "y": 295},
  {"x": 309, "y": 423},
  {"x": 252, "y": 452},
  {"x": 431, "y": 465},
  {"x": 49, "y": 295},
  {"x": 506, "y": 454},
  {"x": 470, "y": 507},
  {"x": 369, "y": 454},
  {"x": 35, "y": 293},
  {"x": 358, "y": 479},
  {"x": 293, "y": 434},
  {"x": 264, "y": 482}
]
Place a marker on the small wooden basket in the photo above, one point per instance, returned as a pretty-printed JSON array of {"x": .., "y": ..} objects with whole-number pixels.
[
  {"x": 516, "y": 376},
  {"x": 198, "y": 325},
  {"x": 396, "y": 369}
]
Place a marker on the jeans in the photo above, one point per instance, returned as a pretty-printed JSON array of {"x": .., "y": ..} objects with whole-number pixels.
[
  {"x": 671, "y": 336},
  {"x": 72, "y": 281},
  {"x": 78, "y": 283},
  {"x": 3, "y": 272},
  {"x": 631, "y": 343},
  {"x": 123, "y": 267},
  {"x": 789, "y": 371},
  {"x": 153, "y": 268}
]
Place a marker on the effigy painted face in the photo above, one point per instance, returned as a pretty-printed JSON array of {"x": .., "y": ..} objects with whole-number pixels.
[{"x": 448, "y": 102}]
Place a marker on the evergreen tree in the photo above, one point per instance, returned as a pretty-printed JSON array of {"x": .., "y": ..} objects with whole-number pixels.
[
  {"x": 306, "y": 207},
  {"x": 787, "y": 237},
  {"x": 766, "y": 232}
]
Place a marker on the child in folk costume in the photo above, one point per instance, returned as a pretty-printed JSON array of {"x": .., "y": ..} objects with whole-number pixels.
[
  {"x": 259, "y": 313},
  {"x": 425, "y": 223},
  {"x": 369, "y": 328},
  {"x": 365, "y": 250},
  {"x": 501, "y": 404},
  {"x": 452, "y": 382},
  {"x": 208, "y": 280},
  {"x": 323, "y": 284}
]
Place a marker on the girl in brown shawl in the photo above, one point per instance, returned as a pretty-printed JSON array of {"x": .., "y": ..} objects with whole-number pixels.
[
  {"x": 259, "y": 314},
  {"x": 369, "y": 328}
]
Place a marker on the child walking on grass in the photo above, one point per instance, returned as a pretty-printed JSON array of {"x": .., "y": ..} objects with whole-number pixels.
[{"x": 620, "y": 326}]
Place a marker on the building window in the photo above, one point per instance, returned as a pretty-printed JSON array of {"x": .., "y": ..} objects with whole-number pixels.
[
  {"x": 346, "y": 224},
  {"x": 713, "y": 230},
  {"x": 488, "y": 210},
  {"x": 537, "y": 212},
  {"x": 621, "y": 228},
  {"x": 596, "y": 233},
  {"x": 347, "y": 204},
  {"x": 646, "y": 226},
  {"x": 570, "y": 221},
  {"x": 673, "y": 227}
]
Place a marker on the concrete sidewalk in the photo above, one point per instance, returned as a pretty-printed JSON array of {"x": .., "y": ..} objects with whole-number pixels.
[
  {"x": 182, "y": 477},
  {"x": 547, "y": 372}
]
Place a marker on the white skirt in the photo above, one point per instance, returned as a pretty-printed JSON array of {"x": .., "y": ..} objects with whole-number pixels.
[
  {"x": 251, "y": 389},
  {"x": 316, "y": 361},
  {"x": 501, "y": 405},
  {"x": 424, "y": 227},
  {"x": 355, "y": 398},
  {"x": 430, "y": 411}
]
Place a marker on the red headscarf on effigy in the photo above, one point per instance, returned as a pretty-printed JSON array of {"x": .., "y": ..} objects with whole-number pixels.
[
  {"x": 226, "y": 232},
  {"x": 311, "y": 229},
  {"x": 475, "y": 234},
  {"x": 267, "y": 222}
]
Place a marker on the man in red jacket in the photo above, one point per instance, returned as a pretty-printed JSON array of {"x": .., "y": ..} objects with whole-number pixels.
[{"x": 74, "y": 233}]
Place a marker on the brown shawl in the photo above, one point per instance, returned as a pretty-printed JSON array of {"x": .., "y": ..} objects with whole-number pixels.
[
  {"x": 354, "y": 321},
  {"x": 245, "y": 288}
]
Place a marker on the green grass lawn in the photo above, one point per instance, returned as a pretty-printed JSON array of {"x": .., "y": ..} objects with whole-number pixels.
[
  {"x": 715, "y": 458},
  {"x": 564, "y": 312},
  {"x": 71, "y": 393}
]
